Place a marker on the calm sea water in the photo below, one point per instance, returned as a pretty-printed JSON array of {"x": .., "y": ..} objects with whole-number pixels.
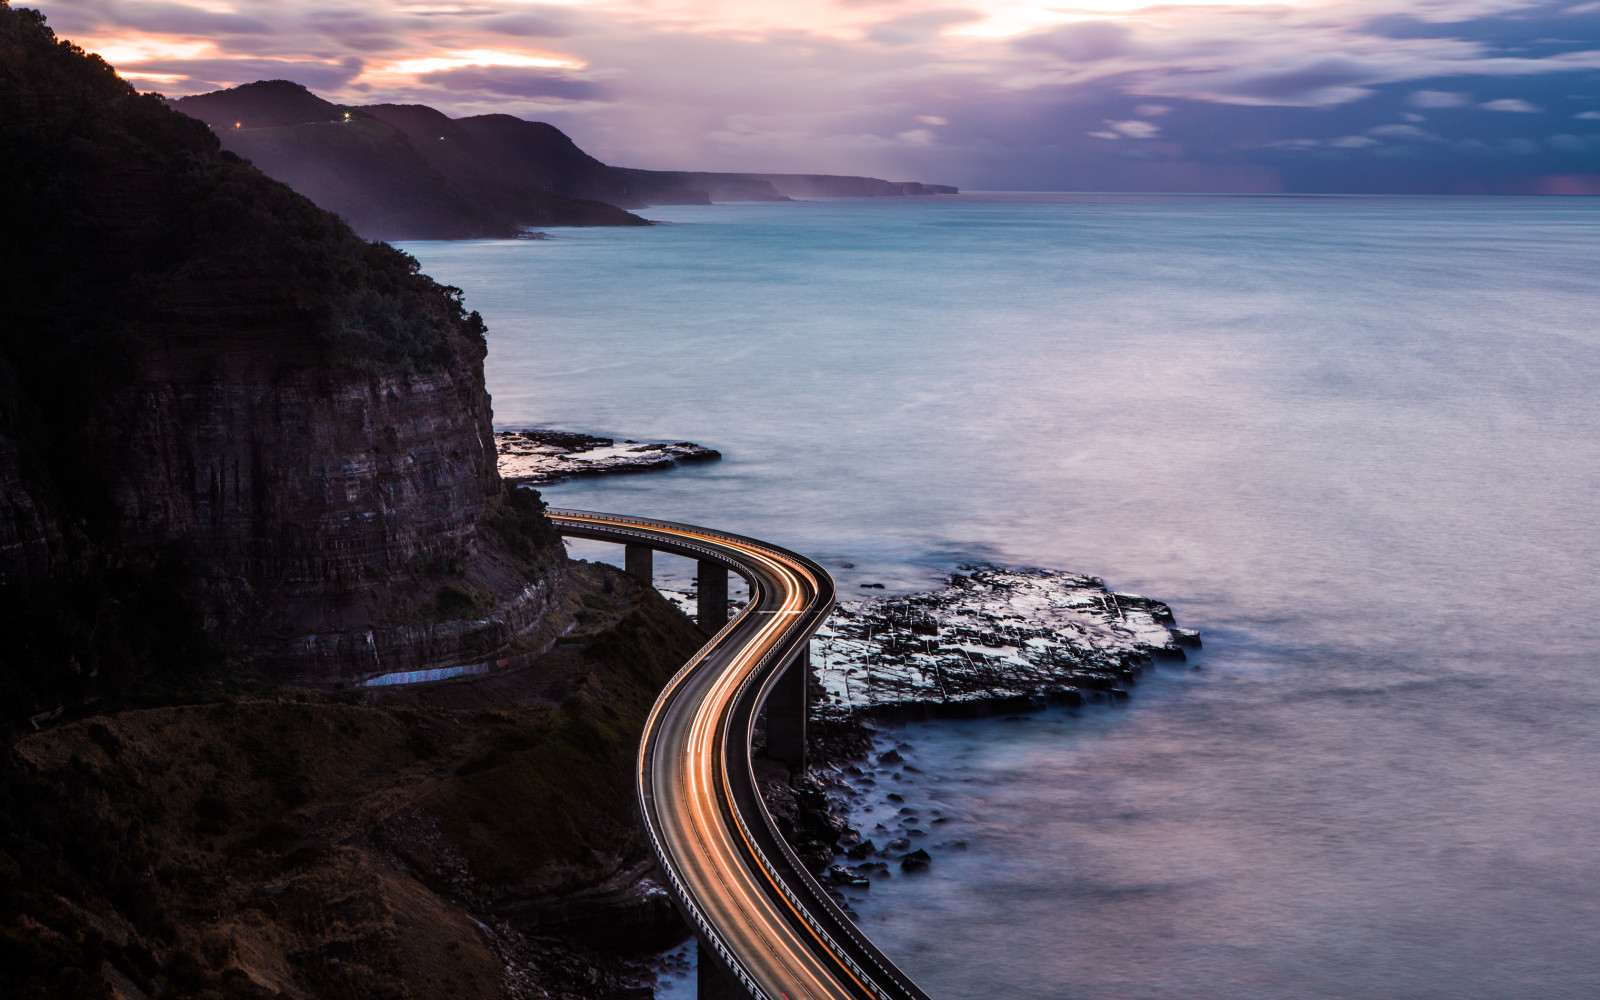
[{"x": 1355, "y": 441}]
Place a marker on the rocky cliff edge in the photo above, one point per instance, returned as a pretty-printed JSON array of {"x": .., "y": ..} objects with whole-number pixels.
[{"x": 232, "y": 432}]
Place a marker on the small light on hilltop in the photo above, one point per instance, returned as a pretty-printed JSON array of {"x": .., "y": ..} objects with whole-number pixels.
[{"x": 238, "y": 124}]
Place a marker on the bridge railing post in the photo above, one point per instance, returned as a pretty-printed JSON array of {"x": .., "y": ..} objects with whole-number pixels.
[
  {"x": 640, "y": 561},
  {"x": 712, "y": 980},
  {"x": 712, "y": 607},
  {"x": 787, "y": 708}
]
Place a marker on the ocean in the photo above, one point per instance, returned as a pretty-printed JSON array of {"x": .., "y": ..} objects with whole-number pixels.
[{"x": 1354, "y": 441}]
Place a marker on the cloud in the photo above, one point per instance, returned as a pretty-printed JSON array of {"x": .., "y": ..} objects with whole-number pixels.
[
  {"x": 1436, "y": 99},
  {"x": 1587, "y": 115},
  {"x": 547, "y": 24},
  {"x": 913, "y": 29},
  {"x": 480, "y": 58},
  {"x": 1398, "y": 131},
  {"x": 1135, "y": 129},
  {"x": 515, "y": 82},
  {"x": 198, "y": 76},
  {"x": 1089, "y": 42},
  {"x": 1292, "y": 96},
  {"x": 1571, "y": 143},
  {"x": 1515, "y": 104},
  {"x": 1320, "y": 81}
]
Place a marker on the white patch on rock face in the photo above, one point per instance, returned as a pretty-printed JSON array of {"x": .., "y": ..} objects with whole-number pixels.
[{"x": 993, "y": 634}]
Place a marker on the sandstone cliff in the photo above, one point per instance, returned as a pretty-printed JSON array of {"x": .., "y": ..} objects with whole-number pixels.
[{"x": 231, "y": 430}]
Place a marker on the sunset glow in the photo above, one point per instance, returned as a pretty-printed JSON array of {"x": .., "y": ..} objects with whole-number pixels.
[
  {"x": 1002, "y": 19},
  {"x": 1007, "y": 93},
  {"x": 480, "y": 57},
  {"x": 132, "y": 50}
]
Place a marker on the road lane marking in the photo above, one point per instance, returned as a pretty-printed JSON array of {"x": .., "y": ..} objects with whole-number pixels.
[{"x": 708, "y": 717}]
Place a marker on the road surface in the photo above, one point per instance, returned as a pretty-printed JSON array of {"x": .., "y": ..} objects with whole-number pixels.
[{"x": 772, "y": 927}]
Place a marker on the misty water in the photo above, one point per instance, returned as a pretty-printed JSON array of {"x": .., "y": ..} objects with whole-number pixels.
[{"x": 1355, "y": 441}]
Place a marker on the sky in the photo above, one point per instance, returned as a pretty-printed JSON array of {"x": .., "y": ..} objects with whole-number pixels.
[{"x": 1431, "y": 96}]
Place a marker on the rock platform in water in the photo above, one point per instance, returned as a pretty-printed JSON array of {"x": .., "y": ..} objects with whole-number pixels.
[
  {"x": 993, "y": 638},
  {"x": 531, "y": 457}
]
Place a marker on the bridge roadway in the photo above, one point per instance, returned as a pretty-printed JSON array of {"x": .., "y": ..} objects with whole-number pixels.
[{"x": 759, "y": 914}]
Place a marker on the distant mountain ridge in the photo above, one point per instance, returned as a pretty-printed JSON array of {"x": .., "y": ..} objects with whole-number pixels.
[{"x": 408, "y": 171}]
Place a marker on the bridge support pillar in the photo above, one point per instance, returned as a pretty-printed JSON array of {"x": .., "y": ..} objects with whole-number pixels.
[
  {"x": 712, "y": 609},
  {"x": 712, "y": 981},
  {"x": 639, "y": 560},
  {"x": 787, "y": 708}
]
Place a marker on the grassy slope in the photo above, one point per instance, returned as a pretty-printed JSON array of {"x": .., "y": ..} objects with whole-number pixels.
[{"x": 233, "y": 848}]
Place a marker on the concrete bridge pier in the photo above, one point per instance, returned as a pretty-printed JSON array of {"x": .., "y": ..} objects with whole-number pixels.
[
  {"x": 712, "y": 609},
  {"x": 712, "y": 980},
  {"x": 787, "y": 708},
  {"x": 640, "y": 561}
]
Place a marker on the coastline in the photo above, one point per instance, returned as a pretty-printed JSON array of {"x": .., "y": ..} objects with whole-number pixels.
[
  {"x": 994, "y": 641},
  {"x": 537, "y": 456}
]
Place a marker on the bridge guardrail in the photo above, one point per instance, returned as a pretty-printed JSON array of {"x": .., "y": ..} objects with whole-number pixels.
[{"x": 758, "y": 681}]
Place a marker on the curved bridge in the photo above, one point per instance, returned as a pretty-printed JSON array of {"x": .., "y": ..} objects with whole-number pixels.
[{"x": 761, "y": 918}]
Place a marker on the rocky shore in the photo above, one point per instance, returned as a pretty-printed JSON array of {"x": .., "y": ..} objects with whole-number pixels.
[
  {"x": 994, "y": 640},
  {"x": 530, "y": 457}
]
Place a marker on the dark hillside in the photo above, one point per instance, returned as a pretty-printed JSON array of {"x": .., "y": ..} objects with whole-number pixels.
[
  {"x": 408, "y": 171},
  {"x": 246, "y": 461},
  {"x": 404, "y": 171},
  {"x": 231, "y": 430},
  {"x": 542, "y": 151},
  {"x": 470, "y": 840},
  {"x": 517, "y": 166},
  {"x": 267, "y": 104}
]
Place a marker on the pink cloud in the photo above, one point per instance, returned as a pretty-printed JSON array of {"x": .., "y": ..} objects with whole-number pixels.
[{"x": 828, "y": 85}]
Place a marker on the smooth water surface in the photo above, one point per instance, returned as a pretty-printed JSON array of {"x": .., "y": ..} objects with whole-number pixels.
[{"x": 1354, "y": 441}]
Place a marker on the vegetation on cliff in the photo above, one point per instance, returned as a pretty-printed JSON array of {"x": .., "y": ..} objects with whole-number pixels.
[
  {"x": 242, "y": 448},
  {"x": 231, "y": 429},
  {"x": 114, "y": 205},
  {"x": 283, "y": 842},
  {"x": 409, "y": 172}
]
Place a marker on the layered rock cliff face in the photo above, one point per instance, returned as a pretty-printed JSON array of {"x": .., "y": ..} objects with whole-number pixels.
[{"x": 231, "y": 431}]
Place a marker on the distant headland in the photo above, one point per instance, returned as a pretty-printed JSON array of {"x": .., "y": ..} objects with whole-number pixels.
[{"x": 408, "y": 171}]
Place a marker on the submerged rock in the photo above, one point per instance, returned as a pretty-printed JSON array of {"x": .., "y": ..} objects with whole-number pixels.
[{"x": 916, "y": 861}]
